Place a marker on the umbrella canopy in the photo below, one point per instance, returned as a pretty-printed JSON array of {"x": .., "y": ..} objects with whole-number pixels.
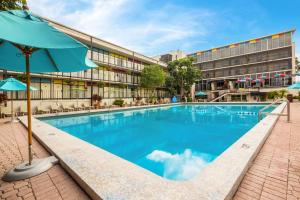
[
  {"x": 28, "y": 43},
  {"x": 200, "y": 94},
  {"x": 54, "y": 51},
  {"x": 295, "y": 86},
  {"x": 12, "y": 84}
]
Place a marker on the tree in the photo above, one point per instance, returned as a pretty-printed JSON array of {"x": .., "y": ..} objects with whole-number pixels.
[
  {"x": 272, "y": 94},
  {"x": 282, "y": 93},
  {"x": 153, "y": 76},
  {"x": 182, "y": 75},
  {"x": 13, "y": 4},
  {"x": 297, "y": 64}
]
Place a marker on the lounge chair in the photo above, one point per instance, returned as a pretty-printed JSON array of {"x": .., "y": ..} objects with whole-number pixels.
[
  {"x": 76, "y": 108},
  {"x": 5, "y": 111},
  {"x": 110, "y": 106},
  {"x": 86, "y": 107},
  {"x": 106, "y": 106},
  {"x": 41, "y": 110},
  {"x": 103, "y": 106},
  {"x": 66, "y": 108},
  {"x": 55, "y": 108}
]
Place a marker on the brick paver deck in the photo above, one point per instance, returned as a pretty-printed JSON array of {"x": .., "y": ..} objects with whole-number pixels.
[
  {"x": 275, "y": 173},
  {"x": 54, "y": 184}
]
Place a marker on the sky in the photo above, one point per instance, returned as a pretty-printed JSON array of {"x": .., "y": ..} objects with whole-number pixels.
[{"x": 154, "y": 27}]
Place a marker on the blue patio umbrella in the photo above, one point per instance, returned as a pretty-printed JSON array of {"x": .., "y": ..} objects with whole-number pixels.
[
  {"x": 12, "y": 84},
  {"x": 29, "y": 44},
  {"x": 200, "y": 94}
]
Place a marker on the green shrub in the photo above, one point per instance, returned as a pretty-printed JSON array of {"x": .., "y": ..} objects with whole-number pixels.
[
  {"x": 189, "y": 99},
  {"x": 263, "y": 98},
  {"x": 272, "y": 94},
  {"x": 282, "y": 93},
  {"x": 119, "y": 102}
]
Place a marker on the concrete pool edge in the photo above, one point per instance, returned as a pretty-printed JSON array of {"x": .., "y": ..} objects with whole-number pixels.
[
  {"x": 226, "y": 172},
  {"x": 122, "y": 179}
]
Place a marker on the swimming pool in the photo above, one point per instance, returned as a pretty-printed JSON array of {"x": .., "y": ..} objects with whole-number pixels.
[{"x": 174, "y": 142}]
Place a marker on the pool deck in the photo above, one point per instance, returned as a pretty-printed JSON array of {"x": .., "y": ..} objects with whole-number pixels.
[
  {"x": 275, "y": 172},
  {"x": 54, "y": 184}
]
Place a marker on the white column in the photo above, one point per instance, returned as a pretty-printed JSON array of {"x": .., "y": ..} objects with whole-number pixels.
[
  {"x": 193, "y": 91},
  {"x": 213, "y": 85}
]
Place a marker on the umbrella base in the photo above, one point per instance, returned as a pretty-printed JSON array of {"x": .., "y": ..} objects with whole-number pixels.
[{"x": 24, "y": 170}]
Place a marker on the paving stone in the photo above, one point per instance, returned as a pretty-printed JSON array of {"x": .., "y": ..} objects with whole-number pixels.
[
  {"x": 276, "y": 169},
  {"x": 13, "y": 150},
  {"x": 8, "y": 194}
]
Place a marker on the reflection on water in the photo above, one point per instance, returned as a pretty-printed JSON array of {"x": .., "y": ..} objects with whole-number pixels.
[{"x": 182, "y": 166}]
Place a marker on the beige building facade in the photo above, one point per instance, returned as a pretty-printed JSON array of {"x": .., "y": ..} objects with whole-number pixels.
[
  {"x": 116, "y": 77},
  {"x": 257, "y": 65}
]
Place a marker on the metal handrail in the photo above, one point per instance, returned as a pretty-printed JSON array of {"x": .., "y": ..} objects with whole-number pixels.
[
  {"x": 227, "y": 93},
  {"x": 288, "y": 114}
]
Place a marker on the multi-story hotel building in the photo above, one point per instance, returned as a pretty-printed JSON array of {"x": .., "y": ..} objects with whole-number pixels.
[
  {"x": 171, "y": 56},
  {"x": 265, "y": 62},
  {"x": 118, "y": 75}
]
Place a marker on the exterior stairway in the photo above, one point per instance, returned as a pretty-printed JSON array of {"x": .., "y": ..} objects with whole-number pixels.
[{"x": 228, "y": 93}]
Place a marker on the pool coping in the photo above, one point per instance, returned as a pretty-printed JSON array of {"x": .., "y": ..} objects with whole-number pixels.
[{"x": 106, "y": 176}]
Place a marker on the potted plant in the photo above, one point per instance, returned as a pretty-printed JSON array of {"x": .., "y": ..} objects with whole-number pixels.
[
  {"x": 119, "y": 102},
  {"x": 96, "y": 100},
  {"x": 138, "y": 98}
]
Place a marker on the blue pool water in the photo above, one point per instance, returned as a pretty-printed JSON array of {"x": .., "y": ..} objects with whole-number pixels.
[{"x": 174, "y": 142}]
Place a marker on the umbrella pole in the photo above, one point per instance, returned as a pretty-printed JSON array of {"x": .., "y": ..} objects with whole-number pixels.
[
  {"x": 12, "y": 107},
  {"x": 33, "y": 167},
  {"x": 28, "y": 109}
]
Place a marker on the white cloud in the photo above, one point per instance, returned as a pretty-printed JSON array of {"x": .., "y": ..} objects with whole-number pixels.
[
  {"x": 180, "y": 166},
  {"x": 130, "y": 23}
]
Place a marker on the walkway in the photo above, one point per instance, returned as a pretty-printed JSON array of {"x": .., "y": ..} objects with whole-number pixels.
[
  {"x": 54, "y": 184},
  {"x": 275, "y": 173}
]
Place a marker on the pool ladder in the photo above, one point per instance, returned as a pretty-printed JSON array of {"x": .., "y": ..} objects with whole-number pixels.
[{"x": 288, "y": 114}]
